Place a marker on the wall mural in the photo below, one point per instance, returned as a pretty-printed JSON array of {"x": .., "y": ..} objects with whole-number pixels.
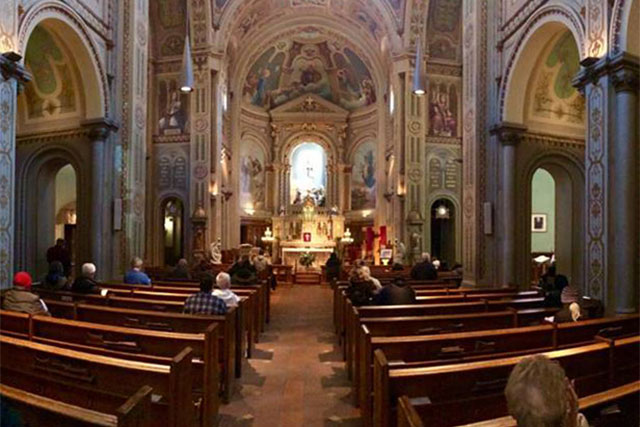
[
  {"x": 308, "y": 174},
  {"x": 52, "y": 90},
  {"x": 363, "y": 177},
  {"x": 554, "y": 97},
  {"x": 443, "y": 108},
  {"x": 252, "y": 175},
  {"x": 171, "y": 13},
  {"x": 291, "y": 68},
  {"x": 173, "y": 108},
  {"x": 445, "y": 30}
]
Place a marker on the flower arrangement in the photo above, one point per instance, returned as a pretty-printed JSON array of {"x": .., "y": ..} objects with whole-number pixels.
[{"x": 307, "y": 259}]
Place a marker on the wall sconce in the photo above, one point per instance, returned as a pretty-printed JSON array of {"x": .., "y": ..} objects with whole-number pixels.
[
  {"x": 366, "y": 213},
  {"x": 249, "y": 209}
]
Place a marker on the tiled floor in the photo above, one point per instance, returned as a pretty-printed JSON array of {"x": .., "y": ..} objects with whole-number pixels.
[{"x": 296, "y": 377}]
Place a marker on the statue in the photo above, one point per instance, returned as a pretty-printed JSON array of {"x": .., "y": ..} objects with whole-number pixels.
[
  {"x": 399, "y": 253},
  {"x": 216, "y": 252}
]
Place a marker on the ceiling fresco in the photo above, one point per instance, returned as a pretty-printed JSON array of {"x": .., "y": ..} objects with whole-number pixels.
[{"x": 309, "y": 63}]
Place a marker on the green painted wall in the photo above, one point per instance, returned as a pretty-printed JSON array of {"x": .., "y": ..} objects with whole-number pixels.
[{"x": 543, "y": 201}]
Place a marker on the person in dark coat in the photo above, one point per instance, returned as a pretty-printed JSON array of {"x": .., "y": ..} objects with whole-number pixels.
[
  {"x": 59, "y": 252},
  {"x": 85, "y": 284},
  {"x": 360, "y": 290},
  {"x": 332, "y": 267},
  {"x": 55, "y": 279},
  {"x": 243, "y": 272},
  {"x": 396, "y": 293},
  {"x": 424, "y": 270},
  {"x": 181, "y": 271}
]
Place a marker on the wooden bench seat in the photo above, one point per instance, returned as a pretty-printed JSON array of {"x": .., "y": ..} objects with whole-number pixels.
[
  {"x": 461, "y": 347},
  {"x": 99, "y": 383},
  {"x": 230, "y": 350},
  {"x": 34, "y": 409},
  {"x": 129, "y": 343},
  {"x": 457, "y": 393}
]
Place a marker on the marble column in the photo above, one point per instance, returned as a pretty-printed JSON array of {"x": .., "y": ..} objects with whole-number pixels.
[
  {"x": 624, "y": 247},
  {"x": 509, "y": 135},
  {"x": 11, "y": 75},
  {"x": 98, "y": 134}
]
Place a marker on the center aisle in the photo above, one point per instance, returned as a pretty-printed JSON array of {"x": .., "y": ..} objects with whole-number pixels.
[{"x": 296, "y": 377}]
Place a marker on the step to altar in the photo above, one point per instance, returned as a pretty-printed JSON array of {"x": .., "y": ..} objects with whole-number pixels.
[{"x": 308, "y": 278}]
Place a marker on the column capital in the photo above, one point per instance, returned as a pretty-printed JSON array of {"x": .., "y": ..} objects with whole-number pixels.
[
  {"x": 10, "y": 68},
  {"x": 625, "y": 72},
  {"x": 99, "y": 129},
  {"x": 509, "y": 133}
]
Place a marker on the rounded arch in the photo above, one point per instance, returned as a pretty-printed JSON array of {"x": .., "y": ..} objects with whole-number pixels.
[
  {"x": 452, "y": 198},
  {"x": 359, "y": 43},
  {"x": 63, "y": 21},
  {"x": 173, "y": 234},
  {"x": 308, "y": 136},
  {"x": 625, "y": 27},
  {"x": 540, "y": 28},
  {"x": 567, "y": 171},
  {"x": 254, "y": 137},
  {"x": 34, "y": 218},
  {"x": 362, "y": 139}
]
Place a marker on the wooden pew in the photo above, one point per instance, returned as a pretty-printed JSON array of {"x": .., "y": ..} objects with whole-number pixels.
[
  {"x": 464, "y": 347},
  {"x": 624, "y": 398},
  {"x": 98, "y": 382},
  {"x": 229, "y": 350},
  {"x": 34, "y": 409},
  {"x": 467, "y": 392},
  {"x": 131, "y": 344}
]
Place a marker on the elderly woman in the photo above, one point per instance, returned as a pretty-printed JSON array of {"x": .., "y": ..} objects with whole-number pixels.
[{"x": 570, "y": 298}]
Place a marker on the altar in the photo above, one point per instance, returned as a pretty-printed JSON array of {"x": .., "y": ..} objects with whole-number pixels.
[{"x": 307, "y": 229}]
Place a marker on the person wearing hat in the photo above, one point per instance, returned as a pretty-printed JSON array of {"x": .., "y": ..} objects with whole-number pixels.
[
  {"x": 20, "y": 298},
  {"x": 570, "y": 298}
]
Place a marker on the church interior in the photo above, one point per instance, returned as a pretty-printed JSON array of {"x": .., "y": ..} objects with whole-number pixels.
[{"x": 320, "y": 212}]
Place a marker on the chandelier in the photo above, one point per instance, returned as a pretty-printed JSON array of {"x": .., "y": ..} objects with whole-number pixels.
[
  {"x": 346, "y": 238},
  {"x": 268, "y": 236}
]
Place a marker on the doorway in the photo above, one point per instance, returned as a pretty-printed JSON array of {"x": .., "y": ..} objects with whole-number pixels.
[
  {"x": 173, "y": 230},
  {"x": 443, "y": 232}
]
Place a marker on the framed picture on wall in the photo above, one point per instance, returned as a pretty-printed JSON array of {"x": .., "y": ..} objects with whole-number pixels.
[{"x": 539, "y": 223}]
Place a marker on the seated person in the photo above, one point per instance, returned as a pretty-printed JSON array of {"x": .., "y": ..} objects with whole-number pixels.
[
  {"x": 135, "y": 276},
  {"x": 366, "y": 271},
  {"x": 243, "y": 272},
  {"x": 570, "y": 299},
  {"x": 223, "y": 282},
  {"x": 20, "y": 298},
  {"x": 332, "y": 267},
  {"x": 261, "y": 264},
  {"x": 396, "y": 293},
  {"x": 424, "y": 270},
  {"x": 539, "y": 394},
  {"x": 204, "y": 302},
  {"x": 85, "y": 284},
  {"x": 360, "y": 290},
  {"x": 55, "y": 279},
  {"x": 181, "y": 271}
]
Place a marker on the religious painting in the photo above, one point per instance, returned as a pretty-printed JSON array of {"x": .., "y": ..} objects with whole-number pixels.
[
  {"x": 443, "y": 109},
  {"x": 539, "y": 223},
  {"x": 363, "y": 177},
  {"x": 291, "y": 68},
  {"x": 444, "y": 35},
  {"x": 52, "y": 90},
  {"x": 171, "y": 13},
  {"x": 173, "y": 108},
  {"x": 554, "y": 97},
  {"x": 308, "y": 174},
  {"x": 252, "y": 176}
]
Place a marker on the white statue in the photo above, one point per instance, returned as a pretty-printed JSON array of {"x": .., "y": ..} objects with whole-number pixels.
[
  {"x": 399, "y": 253},
  {"x": 216, "y": 252}
]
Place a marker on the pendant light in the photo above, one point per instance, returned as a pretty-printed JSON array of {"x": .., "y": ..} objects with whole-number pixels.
[
  {"x": 418, "y": 73},
  {"x": 186, "y": 79}
]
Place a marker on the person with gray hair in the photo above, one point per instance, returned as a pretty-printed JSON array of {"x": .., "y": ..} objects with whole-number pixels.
[
  {"x": 136, "y": 276},
  {"x": 540, "y": 395},
  {"x": 85, "y": 284},
  {"x": 223, "y": 283},
  {"x": 424, "y": 270},
  {"x": 366, "y": 272}
]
